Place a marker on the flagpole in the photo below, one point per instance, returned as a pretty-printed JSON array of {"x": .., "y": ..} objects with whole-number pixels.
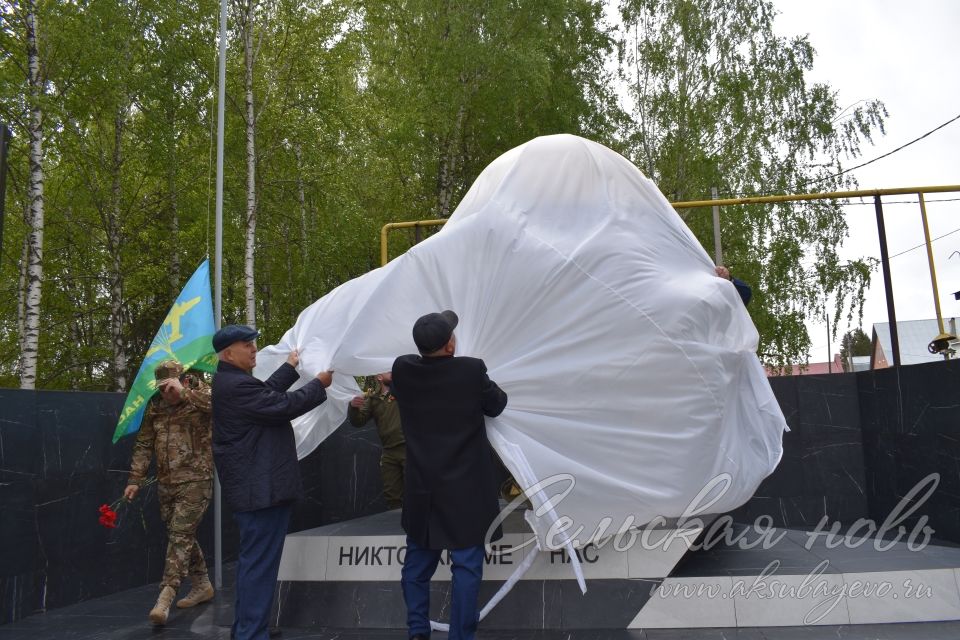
[{"x": 218, "y": 278}]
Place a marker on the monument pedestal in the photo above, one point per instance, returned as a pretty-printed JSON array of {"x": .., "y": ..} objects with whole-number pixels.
[{"x": 347, "y": 575}]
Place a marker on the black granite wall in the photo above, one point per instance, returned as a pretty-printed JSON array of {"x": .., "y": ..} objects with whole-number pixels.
[
  {"x": 58, "y": 465},
  {"x": 822, "y": 472},
  {"x": 860, "y": 442},
  {"x": 341, "y": 479},
  {"x": 910, "y": 419},
  {"x": 854, "y": 450}
]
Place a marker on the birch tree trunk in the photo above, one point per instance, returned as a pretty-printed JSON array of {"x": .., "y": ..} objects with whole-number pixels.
[
  {"x": 30, "y": 340},
  {"x": 174, "y": 236},
  {"x": 302, "y": 200},
  {"x": 251, "y": 231},
  {"x": 116, "y": 265},
  {"x": 291, "y": 292},
  {"x": 174, "y": 212},
  {"x": 449, "y": 161},
  {"x": 22, "y": 282}
]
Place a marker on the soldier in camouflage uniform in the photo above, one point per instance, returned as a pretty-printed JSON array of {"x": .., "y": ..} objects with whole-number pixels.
[
  {"x": 176, "y": 429},
  {"x": 379, "y": 404}
]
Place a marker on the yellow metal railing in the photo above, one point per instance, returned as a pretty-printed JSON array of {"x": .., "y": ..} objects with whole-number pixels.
[
  {"x": 797, "y": 197},
  {"x": 403, "y": 225},
  {"x": 692, "y": 204}
]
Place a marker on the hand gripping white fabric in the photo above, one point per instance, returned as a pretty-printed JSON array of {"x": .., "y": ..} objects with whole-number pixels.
[{"x": 630, "y": 367}]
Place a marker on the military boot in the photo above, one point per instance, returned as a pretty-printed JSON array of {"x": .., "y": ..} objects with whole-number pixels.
[
  {"x": 160, "y": 611},
  {"x": 200, "y": 591}
]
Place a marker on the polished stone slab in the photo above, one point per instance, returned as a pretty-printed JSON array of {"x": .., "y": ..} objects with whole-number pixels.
[
  {"x": 796, "y": 552},
  {"x": 122, "y": 616},
  {"x": 801, "y": 578}
]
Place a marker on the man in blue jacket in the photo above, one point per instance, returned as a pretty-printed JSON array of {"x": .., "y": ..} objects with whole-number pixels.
[
  {"x": 256, "y": 458},
  {"x": 450, "y": 497},
  {"x": 746, "y": 293}
]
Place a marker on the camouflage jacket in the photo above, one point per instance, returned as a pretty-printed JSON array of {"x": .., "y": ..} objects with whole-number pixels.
[
  {"x": 383, "y": 409},
  {"x": 179, "y": 435}
]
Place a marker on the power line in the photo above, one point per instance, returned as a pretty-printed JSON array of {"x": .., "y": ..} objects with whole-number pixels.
[
  {"x": 890, "y": 153},
  {"x": 859, "y": 166},
  {"x": 923, "y": 244}
]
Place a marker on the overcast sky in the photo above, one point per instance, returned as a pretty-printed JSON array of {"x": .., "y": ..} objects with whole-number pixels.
[{"x": 905, "y": 54}]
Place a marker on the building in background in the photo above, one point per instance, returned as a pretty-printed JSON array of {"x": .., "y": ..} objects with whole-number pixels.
[
  {"x": 914, "y": 337},
  {"x": 812, "y": 368}
]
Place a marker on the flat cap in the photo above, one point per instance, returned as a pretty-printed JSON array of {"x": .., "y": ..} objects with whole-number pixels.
[
  {"x": 432, "y": 331},
  {"x": 168, "y": 369},
  {"x": 233, "y": 333}
]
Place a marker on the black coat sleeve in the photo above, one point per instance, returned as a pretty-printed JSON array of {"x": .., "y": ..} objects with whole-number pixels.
[{"x": 492, "y": 398}]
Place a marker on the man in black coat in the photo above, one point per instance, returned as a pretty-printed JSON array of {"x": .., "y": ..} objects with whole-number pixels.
[
  {"x": 450, "y": 495},
  {"x": 256, "y": 458}
]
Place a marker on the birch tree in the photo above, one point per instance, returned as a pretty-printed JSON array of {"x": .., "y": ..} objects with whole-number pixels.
[
  {"x": 247, "y": 10},
  {"x": 30, "y": 341},
  {"x": 112, "y": 223},
  {"x": 719, "y": 99},
  {"x": 453, "y": 85}
]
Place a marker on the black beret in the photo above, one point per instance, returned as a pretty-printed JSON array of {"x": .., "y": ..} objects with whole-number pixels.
[
  {"x": 432, "y": 331},
  {"x": 233, "y": 333}
]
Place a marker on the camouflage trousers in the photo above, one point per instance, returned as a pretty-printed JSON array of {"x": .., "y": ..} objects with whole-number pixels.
[
  {"x": 392, "y": 462},
  {"x": 182, "y": 506}
]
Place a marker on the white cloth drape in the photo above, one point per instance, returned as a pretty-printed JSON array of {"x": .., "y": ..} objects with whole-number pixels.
[{"x": 629, "y": 365}]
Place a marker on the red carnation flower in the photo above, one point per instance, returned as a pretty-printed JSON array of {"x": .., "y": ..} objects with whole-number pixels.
[{"x": 108, "y": 517}]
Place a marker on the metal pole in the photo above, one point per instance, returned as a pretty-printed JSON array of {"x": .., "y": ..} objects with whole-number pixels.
[
  {"x": 849, "y": 345},
  {"x": 887, "y": 283},
  {"x": 933, "y": 271},
  {"x": 717, "y": 249},
  {"x": 218, "y": 279},
  {"x": 4, "y": 139},
  {"x": 826, "y": 316}
]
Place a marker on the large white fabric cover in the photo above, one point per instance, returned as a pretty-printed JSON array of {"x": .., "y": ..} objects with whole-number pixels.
[{"x": 629, "y": 365}]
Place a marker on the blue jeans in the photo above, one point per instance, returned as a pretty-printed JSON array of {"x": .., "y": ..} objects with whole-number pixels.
[
  {"x": 262, "y": 533},
  {"x": 419, "y": 566}
]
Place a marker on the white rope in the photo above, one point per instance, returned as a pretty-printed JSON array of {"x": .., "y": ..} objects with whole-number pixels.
[
  {"x": 577, "y": 569},
  {"x": 517, "y": 574}
]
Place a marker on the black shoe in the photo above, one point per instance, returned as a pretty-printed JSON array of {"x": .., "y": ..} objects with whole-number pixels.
[{"x": 420, "y": 636}]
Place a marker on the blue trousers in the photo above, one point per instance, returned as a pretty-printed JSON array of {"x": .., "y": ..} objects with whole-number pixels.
[
  {"x": 261, "y": 543},
  {"x": 419, "y": 566}
]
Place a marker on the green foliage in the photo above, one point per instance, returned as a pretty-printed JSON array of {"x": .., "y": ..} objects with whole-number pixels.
[
  {"x": 375, "y": 111},
  {"x": 854, "y": 343},
  {"x": 450, "y": 86},
  {"x": 720, "y": 100},
  {"x": 359, "y": 105}
]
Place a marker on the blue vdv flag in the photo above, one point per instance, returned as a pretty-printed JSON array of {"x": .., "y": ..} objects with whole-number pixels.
[{"x": 184, "y": 336}]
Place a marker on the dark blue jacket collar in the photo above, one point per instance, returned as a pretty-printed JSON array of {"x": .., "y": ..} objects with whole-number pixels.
[{"x": 226, "y": 366}]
